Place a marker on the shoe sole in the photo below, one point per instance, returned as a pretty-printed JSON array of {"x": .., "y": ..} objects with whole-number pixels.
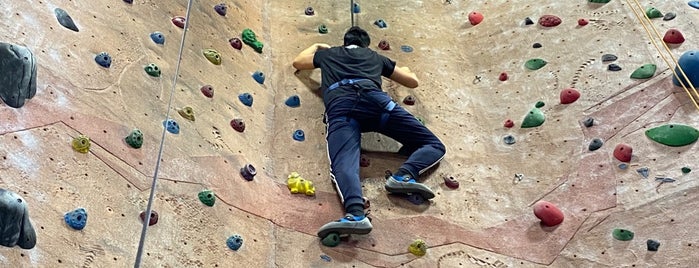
[
  {"x": 395, "y": 187},
  {"x": 344, "y": 231}
]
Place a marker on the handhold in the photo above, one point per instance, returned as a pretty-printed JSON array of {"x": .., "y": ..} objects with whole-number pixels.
[
  {"x": 600, "y": 1},
  {"x": 623, "y": 152},
  {"x": 364, "y": 161},
  {"x": 221, "y": 9},
  {"x": 509, "y": 139},
  {"x": 103, "y": 59},
  {"x": 509, "y": 123},
  {"x": 356, "y": 8},
  {"x": 406, "y": 48},
  {"x": 238, "y": 125},
  {"x": 152, "y": 70},
  {"x": 250, "y": 39},
  {"x": 595, "y": 144},
  {"x": 76, "y": 219},
  {"x": 207, "y": 197},
  {"x": 259, "y": 77},
  {"x": 686, "y": 170},
  {"x": 548, "y": 213},
  {"x": 416, "y": 199},
  {"x": 384, "y": 45},
  {"x": 293, "y": 101},
  {"x": 16, "y": 228},
  {"x": 673, "y": 36},
  {"x": 296, "y": 184},
  {"x": 539, "y": 104},
  {"x": 622, "y": 234},
  {"x": 503, "y": 76},
  {"x": 689, "y": 62},
  {"x": 614, "y": 67},
  {"x": 331, "y": 240},
  {"x": 608, "y": 57},
  {"x": 664, "y": 179},
  {"x": 246, "y": 99},
  {"x": 153, "y": 217},
  {"x": 569, "y": 95},
  {"x": 583, "y": 22},
  {"x": 381, "y": 23},
  {"x": 475, "y": 18},
  {"x": 81, "y": 143},
  {"x": 534, "y": 118},
  {"x": 236, "y": 43},
  {"x": 644, "y": 172},
  {"x": 186, "y": 112},
  {"x": 135, "y": 139},
  {"x": 674, "y": 135},
  {"x": 669, "y": 16},
  {"x": 623, "y": 166},
  {"x": 528, "y": 21},
  {"x": 418, "y": 248},
  {"x": 171, "y": 126},
  {"x": 451, "y": 182},
  {"x": 536, "y": 45},
  {"x": 694, "y": 4},
  {"x": 65, "y": 20},
  {"x": 643, "y": 72},
  {"x": 178, "y": 21},
  {"x": 298, "y": 135},
  {"x": 652, "y": 245},
  {"x": 234, "y": 242},
  {"x": 323, "y": 29},
  {"x": 326, "y": 257},
  {"x": 653, "y": 13},
  {"x": 158, "y": 38},
  {"x": 309, "y": 11},
  {"x": 549, "y": 21},
  {"x": 535, "y": 64},
  {"x": 18, "y": 79},
  {"x": 409, "y": 100},
  {"x": 248, "y": 172},
  {"x": 589, "y": 122},
  {"x": 208, "y": 91},
  {"x": 212, "y": 56}
]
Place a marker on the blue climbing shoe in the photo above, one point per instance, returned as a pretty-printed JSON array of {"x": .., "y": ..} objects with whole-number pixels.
[
  {"x": 407, "y": 185},
  {"x": 350, "y": 224}
]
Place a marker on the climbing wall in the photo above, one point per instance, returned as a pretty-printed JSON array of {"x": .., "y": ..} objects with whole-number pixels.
[{"x": 474, "y": 76}]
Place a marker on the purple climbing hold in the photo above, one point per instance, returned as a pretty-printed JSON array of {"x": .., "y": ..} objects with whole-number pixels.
[
  {"x": 208, "y": 91},
  {"x": 153, "y": 217},
  {"x": 238, "y": 124},
  {"x": 221, "y": 9},
  {"x": 309, "y": 11},
  {"x": 248, "y": 172},
  {"x": 128, "y": 1},
  {"x": 236, "y": 43}
]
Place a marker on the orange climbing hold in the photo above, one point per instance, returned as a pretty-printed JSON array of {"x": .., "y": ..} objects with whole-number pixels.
[
  {"x": 475, "y": 17},
  {"x": 623, "y": 152},
  {"x": 569, "y": 95},
  {"x": 548, "y": 213},
  {"x": 673, "y": 36}
]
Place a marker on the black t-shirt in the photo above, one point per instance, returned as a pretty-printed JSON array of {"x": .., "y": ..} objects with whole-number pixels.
[{"x": 339, "y": 63}]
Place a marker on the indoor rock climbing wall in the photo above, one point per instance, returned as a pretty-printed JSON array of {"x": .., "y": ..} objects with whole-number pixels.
[{"x": 474, "y": 76}]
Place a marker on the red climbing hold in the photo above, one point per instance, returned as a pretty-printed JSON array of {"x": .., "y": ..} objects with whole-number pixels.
[
  {"x": 409, "y": 100},
  {"x": 475, "y": 17},
  {"x": 583, "y": 22},
  {"x": 208, "y": 91},
  {"x": 236, "y": 43},
  {"x": 383, "y": 45},
  {"x": 673, "y": 36},
  {"x": 623, "y": 152},
  {"x": 451, "y": 182},
  {"x": 503, "y": 76},
  {"x": 238, "y": 125},
  {"x": 549, "y": 21},
  {"x": 178, "y": 21},
  {"x": 509, "y": 123},
  {"x": 548, "y": 213},
  {"x": 364, "y": 161},
  {"x": 569, "y": 95}
]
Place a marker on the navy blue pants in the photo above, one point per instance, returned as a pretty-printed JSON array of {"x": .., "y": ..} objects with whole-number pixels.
[{"x": 361, "y": 110}]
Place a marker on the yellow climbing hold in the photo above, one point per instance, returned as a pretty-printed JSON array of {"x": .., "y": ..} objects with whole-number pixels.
[
  {"x": 297, "y": 184},
  {"x": 81, "y": 144},
  {"x": 418, "y": 248},
  {"x": 212, "y": 56},
  {"x": 186, "y": 112}
]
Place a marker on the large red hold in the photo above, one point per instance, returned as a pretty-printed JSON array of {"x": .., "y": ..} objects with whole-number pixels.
[
  {"x": 569, "y": 95},
  {"x": 548, "y": 213},
  {"x": 475, "y": 17},
  {"x": 623, "y": 152},
  {"x": 673, "y": 36},
  {"x": 549, "y": 21},
  {"x": 178, "y": 21}
]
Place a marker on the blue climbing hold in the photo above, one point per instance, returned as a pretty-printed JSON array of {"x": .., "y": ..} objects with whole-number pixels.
[
  {"x": 234, "y": 242},
  {"x": 158, "y": 38},
  {"x": 326, "y": 258},
  {"x": 104, "y": 60},
  {"x": 246, "y": 99},
  {"x": 381, "y": 23},
  {"x": 293, "y": 101},
  {"x": 623, "y": 166},
  {"x": 299, "y": 136},
  {"x": 171, "y": 126},
  {"x": 259, "y": 77},
  {"x": 221, "y": 9},
  {"x": 689, "y": 62},
  {"x": 406, "y": 48},
  {"x": 644, "y": 172},
  {"x": 76, "y": 219},
  {"x": 356, "y": 8},
  {"x": 694, "y": 4},
  {"x": 509, "y": 139}
]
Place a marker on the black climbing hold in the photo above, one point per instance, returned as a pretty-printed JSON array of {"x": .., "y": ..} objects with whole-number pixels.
[
  {"x": 153, "y": 217},
  {"x": 652, "y": 245},
  {"x": 221, "y": 9},
  {"x": 539, "y": 104},
  {"x": 293, "y": 101},
  {"x": 608, "y": 57},
  {"x": 589, "y": 122},
  {"x": 536, "y": 45},
  {"x": 509, "y": 139},
  {"x": 65, "y": 19},
  {"x": 158, "y": 38},
  {"x": 613, "y": 67},
  {"x": 309, "y": 11},
  {"x": 128, "y": 1},
  {"x": 528, "y": 21},
  {"x": 16, "y": 228},
  {"x": 18, "y": 79},
  {"x": 686, "y": 170},
  {"x": 248, "y": 172},
  {"x": 595, "y": 144},
  {"x": 104, "y": 60},
  {"x": 416, "y": 199},
  {"x": 669, "y": 16}
]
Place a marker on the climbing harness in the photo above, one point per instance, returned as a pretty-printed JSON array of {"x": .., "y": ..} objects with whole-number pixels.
[{"x": 355, "y": 85}]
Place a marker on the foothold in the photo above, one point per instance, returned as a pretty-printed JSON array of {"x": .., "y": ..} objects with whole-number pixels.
[
  {"x": 212, "y": 56},
  {"x": 509, "y": 123},
  {"x": 384, "y": 45},
  {"x": 76, "y": 219},
  {"x": 653, "y": 13},
  {"x": 293, "y": 101},
  {"x": 694, "y": 4},
  {"x": 364, "y": 161},
  {"x": 475, "y": 18},
  {"x": 686, "y": 170},
  {"x": 186, "y": 112},
  {"x": 236, "y": 43},
  {"x": 652, "y": 245},
  {"x": 104, "y": 60},
  {"x": 416, "y": 199},
  {"x": 18, "y": 79},
  {"x": 409, "y": 100},
  {"x": 644, "y": 72},
  {"x": 614, "y": 67},
  {"x": 128, "y": 1},
  {"x": 16, "y": 226},
  {"x": 583, "y": 22},
  {"x": 208, "y": 91},
  {"x": 589, "y": 122},
  {"x": 528, "y": 21},
  {"x": 367, "y": 203},
  {"x": 595, "y": 144},
  {"x": 152, "y": 70},
  {"x": 669, "y": 16},
  {"x": 323, "y": 29},
  {"x": 250, "y": 39},
  {"x": 539, "y": 104},
  {"x": 171, "y": 126},
  {"x": 609, "y": 57},
  {"x": 664, "y": 179},
  {"x": 153, "y": 217},
  {"x": 549, "y": 21},
  {"x": 158, "y": 38},
  {"x": 674, "y": 135},
  {"x": 309, "y": 11},
  {"x": 207, "y": 197},
  {"x": 569, "y": 95},
  {"x": 451, "y": 182},
  {"x": 600, "y": 1},
  {"x": 326, "y": 257},
  {"x": 419, "y": 119},
  {"x": 623, "y": 166},
  {"x": 238, "y": 125},
  {"x": 299, "y": 135},
  {"x": 534, "y": 118},
  {"x": 135, "y": 139},
  {"x": 548, "y": 213},
  {"x": 418, "y": 248},
  {"x": 81, "y": 144},
  {"x": 259, "y": 77},
  {"x": 673, "y": 36},
  {"x": 689, "y": 62},
  {"x": 623, "y": 152},
  {"x": 406, "y": 48},
  {"x": 248, "y": 172},
  {"x": 503, "y": 76},
  {"x": 65, "y": 20},
  {"x": 622, "y": 234},
  {"x": 234, "y": 242},
  {"x": 356, "y": 8},
  {"x": 509, "y": 139},
  {"x": 537, "y": 45},
  {"x": 535, "y": 64},
  {"x": 221, "y": 9},
  {"x": 296, "y": 184},
  {"x": 246, "y": 99},
  {"x": 644, "y": 172},
  {"x": 381, "y": 23},
  {"x": 331, "y": 240},
  {"x": 178, "y": 21}
]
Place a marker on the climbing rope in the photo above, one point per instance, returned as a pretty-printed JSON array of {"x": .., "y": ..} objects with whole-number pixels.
[
  {"x": 142, "y": 240},
  {"x": 352, "y": 11},
  {"x": 645, "y": 19}
]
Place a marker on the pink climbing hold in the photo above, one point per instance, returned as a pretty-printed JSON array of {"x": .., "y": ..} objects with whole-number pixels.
[
  {"x": 548, "y": 213},
  {"x": 623, "y": 152},
  {"x": 509, "y": 123},
  {"x": 475, "y": 17},
  {"x": 178, "y": 21},
  {"x": 673, "y": 36},
  {"x": 236, "y": 43},
  {"x": 208, "y": 91},
  {"x": 583, "y": 22},
  {"x": 549, "y": 21},
  {"x": 503, "y": 76},
  {"x": 569, "y": 95}
]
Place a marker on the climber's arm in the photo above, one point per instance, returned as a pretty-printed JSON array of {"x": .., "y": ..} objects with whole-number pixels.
[
  {"x": 304, "y": 60},
  {"x": 405, "y": 77}
]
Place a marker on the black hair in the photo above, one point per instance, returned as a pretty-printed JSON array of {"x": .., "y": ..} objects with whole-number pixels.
[{"x": 357, "y": 36}]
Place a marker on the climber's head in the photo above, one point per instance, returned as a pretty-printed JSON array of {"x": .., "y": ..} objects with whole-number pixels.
[{"x": 357, "y": 36}]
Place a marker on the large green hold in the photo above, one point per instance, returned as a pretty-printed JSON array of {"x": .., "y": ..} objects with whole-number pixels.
[
  {"x": 653, "y": 13},
  {"x": 622, "y": 234},
  {"x": 600, "y": 1},
  {"x": 645, "y": 71},
  {"x": 535, "y": 64},
  {"x": 135, "y": 139},
  {"x": 250, "y": 39},
  {"x": 207, "y": 197},
  {"x": 673, "y": 135},
  {"x": 534, "y": 118},
  {"x": 331, "y": 240}
]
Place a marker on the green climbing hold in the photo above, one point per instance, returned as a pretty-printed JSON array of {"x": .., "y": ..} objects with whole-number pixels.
[
  {"x": 419, "y": 119},
  {"x": 212, "y": 56},
  {"x": 250, "y": 39},
  {"x": 418, "y": 248},
  {"x": 331, "y": 240},
  {"x": 186, "y": 112},
  {"x": 135, "y": 139},
  {"x": 207, "y": 197},
  {"x": 534, "y": 118},
  {"x": 686, "y": 170},
  {"x": 152, "y": 70},
  {"x": 622, "y": 234},
  {"x": 539, "y": 104},
  {"x": 645, "y": 71},
  {"x": 323, "y": 29},
  {"x": 535, "y": 64},
  {"x": 653, "y": 13},
  {"x": 81, "y": 143},
  {"x": 600, "y": 1},
  {"x": 673, "y": 135}
]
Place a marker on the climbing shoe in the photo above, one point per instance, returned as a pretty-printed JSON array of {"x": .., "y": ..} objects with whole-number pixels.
[
  {"x": 407, "y": 185},
  {"x": 350, "y": 224}
]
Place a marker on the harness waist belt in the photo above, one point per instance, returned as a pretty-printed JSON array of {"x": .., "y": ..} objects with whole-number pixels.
[{"x": 345, "y": 82}]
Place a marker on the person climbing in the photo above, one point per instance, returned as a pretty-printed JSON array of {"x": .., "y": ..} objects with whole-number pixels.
[{"x": 355, "y": 103}]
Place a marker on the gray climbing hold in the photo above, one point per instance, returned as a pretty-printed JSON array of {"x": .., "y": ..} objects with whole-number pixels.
[
  {"x": 623, "y": 166},
  {"x": 589, "y": 122},
  {"x": 613, "y": 67},
  {"x": 669, "y": 16},
  {"x": 595, "y": 144},
  {"x": 65, "y": 19},
  {"x": 644, "y": 172},
  {"x": 509, "y": 139},
  {"x": 608, "y": 57},
  {"x": 664, "y": 179},
  {"x": 18, "y": 79},
  {"x": 15, "y": 227}
]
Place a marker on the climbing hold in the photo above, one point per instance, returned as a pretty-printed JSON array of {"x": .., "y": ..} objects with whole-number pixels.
[
  {"x": 674, "y": 135},
  {"x": 221, "y": 9},
  {"x": 509, "y": 123},
  {"x": 689, "y": 62},
  {"x": 569, "y": 95},
  {"x": 673, "y": 36},
  {"x": 248, "y": 172},
  {"x": 246, "y": 99},
  {"x": 18, "y": 79},
  {"x": 383, "y": 45},
  {"x": 323, "y": 29},
  {"x": 451, "y": 182},
  {"x": 614, "y": 67},
  {"x": 623, "y": 166},
  {"x": 364, "y": 161},
  {"x": 503, "y": 76},
  {"x": 81, "y": 143},
  {"x": 548, "y": 213},
  {"x": 694, "y": 4},
  {"x": 212, "y": 56},
  {"x": 653, "y": 13},
  {"x": 331, "y": 240},
  {"x": 259, "y": 77},
  {"x": 178, "y": 21},
  {"x": 600, "y": 1},
  {"x": 298, "y": 135},
  {"x": 76, "y": 219},
  {"x": 381, "y": 23},
  {"x": 135, "y": 139},
  {"x": 475, "y": 18},
  {"x": 65, "y": 20},
  {"x": 406, "y": 48},
  {"x": 158, "y": 38},
  {"x": 238, "y": 125},
  {"x": 549, "y": 21},
  {"x": 309, "y": 11},
  {"x": 664, "y": 179},
  {"x": 186, "y": 112},
  {"x": 326, "y": 257},
  {"x": 419, "y": 119},
  {"x": 16, "y": 228},
  {"x": 153, "y": 217},
  {"x": 234, "y": 242},
  {"x": 236, "y": 43},
  {"x": 208, "y": 91},
  {"x": 250, "y": 39},
  {"x": 293, "y": 101},
  {"x": 128, "y": 1},
  {"x": 171, "y": 126},
  {"x": 416, "y": 199},
  {"x": 643, "y": 72},
  {"x": 652, "y": 245},
  {"x": 296, "y": 184},
  {"x": 583, "y": 22},
  {"x": 589, "y": 122},
  {"x": 103, "y": 59},
  {"x": 595, "y": 144},
  {"x": 367, "y": 203},
  {"x": 356, "y": 8},
  {"x": 623, "y": 152},
  {"x": 509, "y": 139},
  {"x": 535, "y": 64},
  {"x": 207, "y": 197},
  {"x": 539, "y": 104},
  {"x": 536, "y": 45},
  {"x": 409, "y": 100},
  {"x": 528, "y": 21},
  {"x": 644, "y": 172},
  {"x": 534, "y": 118},
  {"x": 152, "y": 70},
  {"x": 686, "y": 170},
  {"x": 622, "y": 234},
  {"x": 669, "y": 16},
  {"x": 418, "y": 248},
  {"x": 608, "y": 57}
]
